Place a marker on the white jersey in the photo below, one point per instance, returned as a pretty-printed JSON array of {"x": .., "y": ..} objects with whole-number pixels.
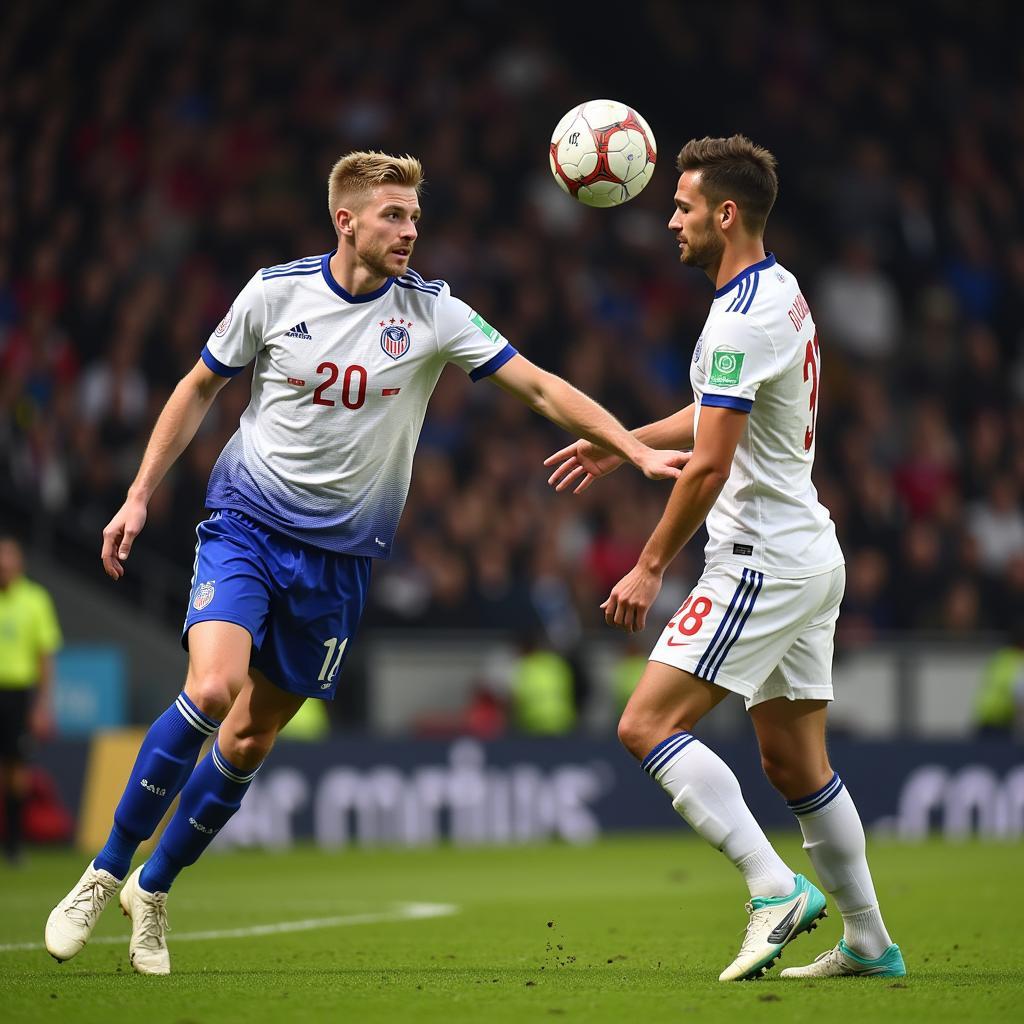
[
  {"x": 758, "y": 352},
  {"x": 324, "y": 451}
]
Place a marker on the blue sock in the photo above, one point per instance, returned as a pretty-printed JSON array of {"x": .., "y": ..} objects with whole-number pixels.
[
  {"x": 166, "y": 757},
  {"x": 210, "y": 797}
]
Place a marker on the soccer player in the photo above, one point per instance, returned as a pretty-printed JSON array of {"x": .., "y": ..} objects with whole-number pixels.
[
  {"x": 347, "y": 347},
  {"x": 29, "y": 637},
  {"x": 761, "y": 619}
]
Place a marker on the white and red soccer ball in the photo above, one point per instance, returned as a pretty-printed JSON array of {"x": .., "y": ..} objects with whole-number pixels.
[{"x": 603, "y": 153}]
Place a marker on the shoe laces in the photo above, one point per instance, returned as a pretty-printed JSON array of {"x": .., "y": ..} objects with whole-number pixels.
[
  {"x": 153, "y": 926},
  {"x": 89, "y": 900},
  {"x": 751, "y": 940}
]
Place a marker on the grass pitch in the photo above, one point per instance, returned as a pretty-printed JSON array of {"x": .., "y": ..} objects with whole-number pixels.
[{"x": 627, "y": 929}]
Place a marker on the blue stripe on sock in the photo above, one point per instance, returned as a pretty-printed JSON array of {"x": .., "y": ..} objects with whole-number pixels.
[
  {"x": 660, "y": 747},
  {"x": 669, "y": 754},
  {"x": 818, "y": 799}
]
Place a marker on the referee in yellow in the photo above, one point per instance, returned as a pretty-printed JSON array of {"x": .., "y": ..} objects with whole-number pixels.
[{"x": 29, "y": 635}]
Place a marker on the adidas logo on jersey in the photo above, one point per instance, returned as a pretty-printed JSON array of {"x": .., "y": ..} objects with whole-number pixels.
[{"x": 299, "y": 331}]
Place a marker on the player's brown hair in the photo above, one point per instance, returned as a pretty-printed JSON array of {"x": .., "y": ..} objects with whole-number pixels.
[
  {"x": 738, "y": 169},
  {"x": 355, "y": 174}
]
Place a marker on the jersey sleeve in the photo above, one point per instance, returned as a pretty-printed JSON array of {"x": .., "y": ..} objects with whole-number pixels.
[
  {"x": 48, "y": 637},
  {"x": 239, "y": 336},
  {"x": 465, "y": 338},
  {"x": 738, "y": 358}
]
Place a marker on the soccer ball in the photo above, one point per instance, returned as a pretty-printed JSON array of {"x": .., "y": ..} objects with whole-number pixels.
[{"x": 603, "y": 153}]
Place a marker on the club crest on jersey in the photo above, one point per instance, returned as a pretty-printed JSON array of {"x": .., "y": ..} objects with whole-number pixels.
[
  {"x": 698, "y": 349},
  {"x": 395, "y": 341},
  {"x": 204, "y": 595}
]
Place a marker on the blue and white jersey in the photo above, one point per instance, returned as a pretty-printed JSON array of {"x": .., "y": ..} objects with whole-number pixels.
[
  {"x": 324, "y": 451},
  {"x": 758, "y": 352}
]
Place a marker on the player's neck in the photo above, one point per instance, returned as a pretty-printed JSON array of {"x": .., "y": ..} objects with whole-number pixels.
[
  {"x": 736, "y": 259},
  {"x": 355, "y": 279}
]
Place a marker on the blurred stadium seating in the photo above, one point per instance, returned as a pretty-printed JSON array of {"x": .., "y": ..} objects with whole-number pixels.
[{"x": 154, "y": 156}]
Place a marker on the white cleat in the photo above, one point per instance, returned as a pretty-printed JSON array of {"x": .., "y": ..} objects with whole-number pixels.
[
  {"x": 71, "y": 922},
  {"x": 774, "y": 922},
  {"x": 842, "y": 962},
  {"x": 147, "y": 950}
]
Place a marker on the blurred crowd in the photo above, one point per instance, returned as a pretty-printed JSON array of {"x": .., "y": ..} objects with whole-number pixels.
[{"x": 153, "y": 157}]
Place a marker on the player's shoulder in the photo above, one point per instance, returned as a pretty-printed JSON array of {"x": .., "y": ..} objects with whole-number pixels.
[
  {"x": 413, "y": 281},
  {"x": 307, "y": 266},
  {"x": 30, "y": 592}
]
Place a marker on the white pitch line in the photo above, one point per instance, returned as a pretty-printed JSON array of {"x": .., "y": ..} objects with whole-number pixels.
[{"x": 401, "y": 912}]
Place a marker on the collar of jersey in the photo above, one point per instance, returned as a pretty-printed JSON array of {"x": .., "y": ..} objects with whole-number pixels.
[
  {"x": 768, "y": 261},
  {"x": 325, "y": 266}
]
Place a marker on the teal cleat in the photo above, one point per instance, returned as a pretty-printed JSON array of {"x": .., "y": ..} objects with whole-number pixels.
[
  {"x": 842, "y": 962},
  {"x": 775, "y": 921}
]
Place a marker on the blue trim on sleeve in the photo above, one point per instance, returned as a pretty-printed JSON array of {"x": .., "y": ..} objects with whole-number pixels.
[
  {"x": 768, "y": 261},
  {"x": 325, "y": 268},
  {"x": 727, "y": 402},
  {"x": 221, "y": 369},
  {"x": 494, "y": 363}
]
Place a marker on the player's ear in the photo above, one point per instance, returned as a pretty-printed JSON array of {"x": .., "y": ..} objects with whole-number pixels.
[
  {"x": 343, "y": 221},
  {"x": 727, "y": 213}
]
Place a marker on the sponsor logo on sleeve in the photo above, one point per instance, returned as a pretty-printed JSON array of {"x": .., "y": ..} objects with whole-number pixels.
[
  {"x": 489, "y": 332},
  {"x": 222, "y": 328},
  {"x": 726, "y": 367}
]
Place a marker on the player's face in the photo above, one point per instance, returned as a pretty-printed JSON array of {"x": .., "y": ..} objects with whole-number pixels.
[
  {"x": 385, "y": 230},
  {"x": 694, "y": 225}
]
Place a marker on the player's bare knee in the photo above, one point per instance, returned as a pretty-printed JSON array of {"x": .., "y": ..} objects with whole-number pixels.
[
  {"x": 246, "y": 750},
  {"x": 640, "y": 733},
  {"x": 212, "y": 692}
]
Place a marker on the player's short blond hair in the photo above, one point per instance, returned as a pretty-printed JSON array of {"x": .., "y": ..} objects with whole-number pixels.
[{"x": 356, "y": 174}]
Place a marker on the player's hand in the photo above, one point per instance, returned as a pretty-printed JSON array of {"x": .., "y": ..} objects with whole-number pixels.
[
  {"x": 581, "y": 463},
  {"x": 41, "y": 722},
  {"x": 120, "y": 534},
  {"x": 662, "y": 464},
  {"x": 631, "y": 598}
]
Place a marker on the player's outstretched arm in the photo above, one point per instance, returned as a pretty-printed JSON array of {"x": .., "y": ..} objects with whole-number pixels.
[
  {"x": 692, "y": 497},
  {"x": 560, "y": 402},
  {"x": 583, "y": 462},
  {"x": 175, "y": 427}
]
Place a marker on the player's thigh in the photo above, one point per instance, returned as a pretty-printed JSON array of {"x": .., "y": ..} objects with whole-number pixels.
[
  {"x": 228, "y": 606},
  {"x": 804, "y": 671},
  {"x": 313, "y": 622},
  {"x": 218, "y": 665},
  {"x": 261, "y": 710},
  {"x": 666, "y": 700}
]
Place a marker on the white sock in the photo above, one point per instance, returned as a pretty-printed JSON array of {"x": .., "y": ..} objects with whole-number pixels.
[
  {"x": 834, "y": 840},
  {"x": 707, "y": 795}
]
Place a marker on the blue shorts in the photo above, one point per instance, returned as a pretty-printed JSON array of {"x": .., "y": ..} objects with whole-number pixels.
[{"x": 301, "y": 604}]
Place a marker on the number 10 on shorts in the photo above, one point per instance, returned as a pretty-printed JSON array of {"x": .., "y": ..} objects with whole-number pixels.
[{"x": 332, "y": 659}]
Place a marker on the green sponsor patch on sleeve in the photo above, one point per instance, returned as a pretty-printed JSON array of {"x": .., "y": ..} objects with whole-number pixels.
[
  {"x": 726, "y": 368},
  {"x": 488, "y": 331}
]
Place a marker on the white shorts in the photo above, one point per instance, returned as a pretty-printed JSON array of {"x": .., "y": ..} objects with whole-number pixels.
[{"x": 756, "y": 635}]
